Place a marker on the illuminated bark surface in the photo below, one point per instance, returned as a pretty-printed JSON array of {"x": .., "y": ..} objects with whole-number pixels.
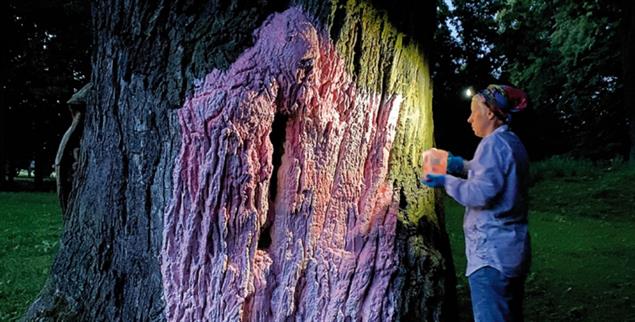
[{"x": 272, "y": 179}]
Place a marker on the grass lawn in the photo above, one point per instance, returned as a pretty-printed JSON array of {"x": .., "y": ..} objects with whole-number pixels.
[
  {"x": 583, "y": 239},
  {"x": 31, "y": 226}
]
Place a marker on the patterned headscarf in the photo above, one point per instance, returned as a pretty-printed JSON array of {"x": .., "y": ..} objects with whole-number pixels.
[{"x": 503, "y": 100}]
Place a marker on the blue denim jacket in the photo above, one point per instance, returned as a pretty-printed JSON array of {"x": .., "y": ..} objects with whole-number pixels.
[{"x": 495, "y": 198}]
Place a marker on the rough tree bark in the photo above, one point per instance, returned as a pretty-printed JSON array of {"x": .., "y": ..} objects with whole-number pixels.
[{"x": 254, "y": 162}]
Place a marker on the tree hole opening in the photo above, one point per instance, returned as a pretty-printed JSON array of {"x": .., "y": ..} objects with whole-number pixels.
[{"x": 277, "y": 137}]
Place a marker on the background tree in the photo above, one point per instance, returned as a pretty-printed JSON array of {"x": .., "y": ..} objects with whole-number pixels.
[
  {"x": 568, "y": 55},
  {"x": 628, "y": 52},
  {"x": 465, "y": 39},
  {"x": 565, "y": 54},
  {"x": 254, "y": 161},
  {"x": 46, "y": 62}
]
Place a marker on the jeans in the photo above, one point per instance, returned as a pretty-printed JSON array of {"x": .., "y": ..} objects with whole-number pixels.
[{"x": 496, "y": 297}]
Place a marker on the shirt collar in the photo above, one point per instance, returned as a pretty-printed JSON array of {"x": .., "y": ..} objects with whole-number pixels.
[{"x": 501, "y": 128}]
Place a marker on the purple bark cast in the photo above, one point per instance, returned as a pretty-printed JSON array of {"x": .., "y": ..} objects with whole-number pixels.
[{"x": 332, "y": 214}]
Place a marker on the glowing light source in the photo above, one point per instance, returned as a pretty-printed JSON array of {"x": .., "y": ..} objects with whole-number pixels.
[{"x": 469, "y": 92}]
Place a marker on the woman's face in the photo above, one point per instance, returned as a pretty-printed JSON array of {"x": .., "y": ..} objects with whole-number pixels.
[{"x": 481, "y": 118}]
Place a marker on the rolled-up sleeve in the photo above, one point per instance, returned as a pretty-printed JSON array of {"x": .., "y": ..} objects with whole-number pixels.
[{"x": 485, "y": 178}]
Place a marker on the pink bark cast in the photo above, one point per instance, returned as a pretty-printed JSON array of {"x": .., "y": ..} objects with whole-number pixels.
[{"x": 332, "y": 224}]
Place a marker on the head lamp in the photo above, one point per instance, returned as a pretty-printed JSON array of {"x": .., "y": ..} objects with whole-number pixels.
[{"x": 469, "y": 92}]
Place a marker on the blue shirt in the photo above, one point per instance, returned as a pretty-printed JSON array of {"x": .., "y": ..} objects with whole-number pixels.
[{"x": 495, "y": 198}]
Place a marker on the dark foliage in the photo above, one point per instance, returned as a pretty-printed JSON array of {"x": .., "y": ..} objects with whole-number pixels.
[
  {"x": 47, "y": 60},
  {"x": 567, "y": 55}
]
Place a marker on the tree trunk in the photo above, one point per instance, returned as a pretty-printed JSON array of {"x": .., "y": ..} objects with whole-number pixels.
[
  {"x": 629, "y": 72},
  {"x": 254, "y": 162},
  {"x": 40, "y": 169},
  {"x": 3, "y": 144}
]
